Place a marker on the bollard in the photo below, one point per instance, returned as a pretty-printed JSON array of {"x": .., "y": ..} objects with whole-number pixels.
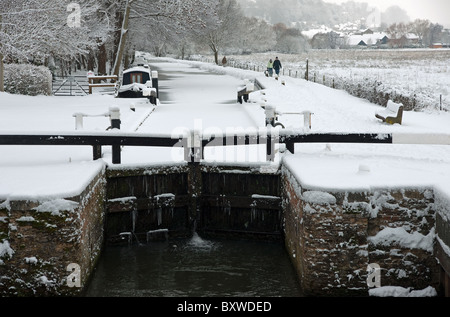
[
  {"x": 270, "y": 115},
  {"x": 193, "y": 147},
  {"x": 114, "y": 113},
  {"x": 155, "y": 83},
  {"x": 78, "y": 121},
  {"x": 150, "y": 93},
  {"x": 307, "y": 119}
]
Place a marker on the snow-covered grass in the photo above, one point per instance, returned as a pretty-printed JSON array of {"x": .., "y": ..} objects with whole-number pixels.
[{"x": 420, "y": 76}]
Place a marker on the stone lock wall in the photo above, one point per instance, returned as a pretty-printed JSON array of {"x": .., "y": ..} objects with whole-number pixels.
[
  {"x": 39, "y": 240},
  {"x": 333, "y": 237}
]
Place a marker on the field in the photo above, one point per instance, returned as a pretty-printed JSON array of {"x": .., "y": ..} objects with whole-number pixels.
[{"x": 418, "y": 78}]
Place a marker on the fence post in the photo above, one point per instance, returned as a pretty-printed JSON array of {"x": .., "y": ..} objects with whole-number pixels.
[
  {"x": 307, "y": 70},
  {"x": 114, "y": 113}
]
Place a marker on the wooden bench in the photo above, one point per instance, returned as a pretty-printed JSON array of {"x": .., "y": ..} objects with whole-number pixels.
[{"x": 393, "y": 113}]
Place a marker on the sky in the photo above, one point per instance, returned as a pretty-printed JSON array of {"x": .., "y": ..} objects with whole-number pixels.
[{"x": 437, "y": 11}]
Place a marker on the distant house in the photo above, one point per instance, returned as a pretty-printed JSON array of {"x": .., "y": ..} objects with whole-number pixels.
[
  {"x": 362, "y": 43},
  {"x": 367, "y": 40},
  {"x": 437, "y": 45},
  {"x": 411, "y": 39},
  {"x": 407, "y": 40},
  {"x": 384, "y": 40}
]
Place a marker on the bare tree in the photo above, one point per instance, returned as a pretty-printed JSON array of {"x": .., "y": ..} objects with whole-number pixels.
[
  {"x": 227, "y": 31},
  {"x": 157, "y": 22},
  {"x": 397, "y": 33},
  {"x": 257, "y": 35},
  {"x": 420, "y": 28}
]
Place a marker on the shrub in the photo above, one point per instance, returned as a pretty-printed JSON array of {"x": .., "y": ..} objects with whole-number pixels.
[{"x": 25, "y": 79}]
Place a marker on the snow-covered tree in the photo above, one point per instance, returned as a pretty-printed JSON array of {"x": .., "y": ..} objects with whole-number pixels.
[
  {"x": 155, "y": 23},
  {"x": 34, "y": 30}
]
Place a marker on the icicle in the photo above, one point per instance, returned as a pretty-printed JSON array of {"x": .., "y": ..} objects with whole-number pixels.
[{"x": 159, "y": 216}]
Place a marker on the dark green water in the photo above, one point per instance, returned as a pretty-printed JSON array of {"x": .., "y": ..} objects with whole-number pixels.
[{"x": 195, "y": 268}]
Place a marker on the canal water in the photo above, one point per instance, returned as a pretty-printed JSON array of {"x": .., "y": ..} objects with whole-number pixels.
[{"x": 195, "y": 267}]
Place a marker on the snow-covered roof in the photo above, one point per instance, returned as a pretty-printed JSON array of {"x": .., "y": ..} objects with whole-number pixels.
[
  {"x": 310, "y": 33},
  {"x": 412, "y": 36},
  {"x": 143, "y": 69},
  {"x": 369, "y": 39}
]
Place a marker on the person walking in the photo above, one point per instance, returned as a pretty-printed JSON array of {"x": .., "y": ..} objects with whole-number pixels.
[
  {"x": 224, "y": 61},
  {"x": 277, "y": 66},
  {"x": 270, "y": 68}
]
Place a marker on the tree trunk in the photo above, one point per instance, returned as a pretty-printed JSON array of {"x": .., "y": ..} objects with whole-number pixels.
[
  {"x": 123, "y": 39},
  {"x": 2, "y": 74},
  {"x": 216, "y": 57},
  {"x": 2, "y": 65},
  {"x": 126, "y": 61},
  {"x": 91, "y": 61},
  {"x": 102, "y": 59}
]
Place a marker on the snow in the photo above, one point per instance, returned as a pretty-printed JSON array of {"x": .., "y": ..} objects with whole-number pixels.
[
  {"x": 203, "y": 98},
  {"x": 315, "y": 197},
  {"x": 31, "y": 260},
  {"x": 399, "y": 236},
  {"x": 54, "y": 207},
  {"x": 197, "y": 103},
  {"x": 397, "y": 291}
]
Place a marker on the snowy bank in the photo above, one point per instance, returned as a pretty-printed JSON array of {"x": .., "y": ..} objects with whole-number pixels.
[{"x": 396, "y": 291}]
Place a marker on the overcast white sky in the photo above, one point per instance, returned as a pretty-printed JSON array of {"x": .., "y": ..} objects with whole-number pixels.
[{"x": 437, "y": 11}]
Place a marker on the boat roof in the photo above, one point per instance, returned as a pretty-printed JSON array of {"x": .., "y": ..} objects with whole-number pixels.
[{"x": 138, "y": 68}]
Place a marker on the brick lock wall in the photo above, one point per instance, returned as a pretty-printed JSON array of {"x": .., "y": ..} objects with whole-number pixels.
[
  {"x": 331, "y": 245},
  {"x": 45, "y": 243}
]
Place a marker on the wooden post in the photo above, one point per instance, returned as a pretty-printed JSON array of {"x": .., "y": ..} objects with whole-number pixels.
[
  {"x": 97, "y": 152},
  {"x": 290, "y": 146},
  {"x": 307, "y": 70},
  {"x": 270, "y": 146},
  {"x": 115, "y": 124}
]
